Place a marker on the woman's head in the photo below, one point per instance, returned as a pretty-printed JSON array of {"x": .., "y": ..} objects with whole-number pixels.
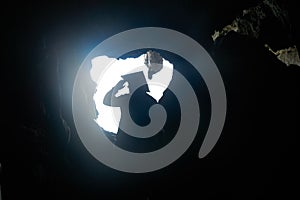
[{"x": 154, "y": 62}]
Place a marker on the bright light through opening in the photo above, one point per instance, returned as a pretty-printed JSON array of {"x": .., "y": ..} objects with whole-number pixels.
[{"x": 109, "y": 117}]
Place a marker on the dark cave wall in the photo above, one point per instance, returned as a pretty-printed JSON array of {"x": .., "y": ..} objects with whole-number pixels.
[{"x": 42, "y": 156}]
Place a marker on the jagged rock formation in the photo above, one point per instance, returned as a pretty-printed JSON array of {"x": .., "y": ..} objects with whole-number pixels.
[
  {"x": 288, "y": 56},
  {"x": 250, "y": 23}
]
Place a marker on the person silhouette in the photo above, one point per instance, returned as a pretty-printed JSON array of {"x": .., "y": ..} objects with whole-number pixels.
[{"x": 133, "y": 96}]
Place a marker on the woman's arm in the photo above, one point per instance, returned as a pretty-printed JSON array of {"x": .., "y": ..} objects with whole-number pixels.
[{"x": 110, "y": 98}]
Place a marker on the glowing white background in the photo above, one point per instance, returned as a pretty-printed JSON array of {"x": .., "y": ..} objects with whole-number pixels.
[{"x": 109, "y": 117}]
